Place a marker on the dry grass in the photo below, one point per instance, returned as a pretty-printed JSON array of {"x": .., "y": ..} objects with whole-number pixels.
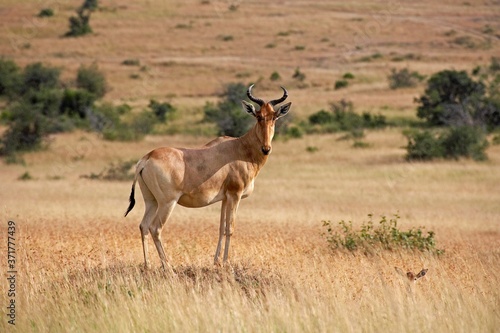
[{"x": 79, "y": 260}]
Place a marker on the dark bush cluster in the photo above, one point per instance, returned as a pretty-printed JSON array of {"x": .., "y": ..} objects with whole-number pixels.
[
  {"x": 227, "y": 114},
  {"x": 39, "y": 103},
  {"x": 161, "y": 110},
  {"x": 452, "y": 143},
  {"x": 46, "y": 12},
  {"x": 453, "y": 98},
  {"x": 466, "y": 108},
  {"x": 232, "y": 120},
  {"x": 342, "y": 117},
  {"x": 80, "y": 25},
  {"x": 403, "y": 78}
]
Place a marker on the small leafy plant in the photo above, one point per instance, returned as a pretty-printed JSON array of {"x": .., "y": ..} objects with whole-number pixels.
[{"x": 385, "y": 235}]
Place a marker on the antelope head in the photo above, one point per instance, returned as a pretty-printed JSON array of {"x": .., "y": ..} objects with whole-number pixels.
[{"x": 266, "y": 117}]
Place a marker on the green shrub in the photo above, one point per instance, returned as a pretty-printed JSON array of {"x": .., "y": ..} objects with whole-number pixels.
[
  {"x": 131, "y": 62},
  {"x": 343, "y": 118},
  {"x": 298, "y": 75},
  {"x": 464, "y": 141},
  {"x": 275, "y": 76},
  {"x": 294, "y": 132},
  {"x": 446, "y": 92},
  {"x": 423, "y": 146},
  {"x": 360, "y": 144},
  {"x": 92, "y": 80},
  {"x": 36, "y": 76},
  {"x": 27, "y": 130},
  {"x": 77, "y": 102},
  {"x": 495, "y": 64},
  {"x": 46, "y": 12},
  {"x": 133, "y": 129},
  {"x": 25, "y": 176},
  {"x": 80, "y": 25},
  {"x": 403, "y": 78},
  {"x": 161, "y": 110},
  {"x": 46, "y": 100},
  {"x": 321, "y": 117},
  {"x": 228, "y": 115},
  {"x": 452, "y": 143},
  {"x": 385, "y": 235},
  {"x": 105, "y": 117},
  {"x": 348, "y": 76},
  {"x": 339, "y": 84},
  {"x": 10, "y": 78}
]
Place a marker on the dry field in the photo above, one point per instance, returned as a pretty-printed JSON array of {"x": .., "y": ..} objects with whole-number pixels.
[{"x": 79, "y": 261}]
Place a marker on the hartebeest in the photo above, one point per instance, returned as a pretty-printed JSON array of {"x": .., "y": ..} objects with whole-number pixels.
[{"x": 223, "y": 170}]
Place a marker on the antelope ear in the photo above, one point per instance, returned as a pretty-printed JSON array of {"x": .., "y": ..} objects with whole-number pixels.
[
  {"x": 248, "y": 107},
  {"x": 283, "y": 110}
]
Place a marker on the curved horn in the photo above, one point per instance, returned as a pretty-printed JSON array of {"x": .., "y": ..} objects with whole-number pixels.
[
  {"x": 279, "y": 100},
  {"x": 252, "y": 98}
]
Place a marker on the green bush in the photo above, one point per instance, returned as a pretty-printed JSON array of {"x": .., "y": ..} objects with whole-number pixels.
[
  {"x": 92, "y": 80},
  {"x": 228, "y": 115},
  {"x": 423, "y": 146},
  {"x": 452, "y": 143},
  {"x": 10, "y": 78},
  {"x": 275, "y": 76},
  {"x": 403, "y": 78},
  {"x": 36, "y": 76},
  {"x": 47, "y": 101},
  {"x": 25, "y": 176},
  {"x": 46, "y": 12},
  {"x": 446, "y": 92},
  {"x": 298, "y": 75},
  {"x": 385, "y": 235},
  {"x": 339, "y": 84},
  {"x": 321, "y": 117},
  {"x": 77, "y": 102},
  {"x": 39, "y": 106},
  {"x": 348, "y": 76},
  {"x": 90, "y": 4},
  {"x": 131, "y": 62},
  {"x": 161, "y": 110},
  {"x": 27, "y": 130},
  {"x": 80, "y": 25},
  {"x": 343, "y": 118},
  {"x": 464, "y": 141},
  {"x": 107, "y": 119},
  {"x": 294, "y": 132}
]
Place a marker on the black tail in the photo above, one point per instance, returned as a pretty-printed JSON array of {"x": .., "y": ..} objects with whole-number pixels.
[{"x": 131, "y": 199}]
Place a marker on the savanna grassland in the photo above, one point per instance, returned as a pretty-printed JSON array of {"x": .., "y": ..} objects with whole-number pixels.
[{"x": 79, "y": 261}]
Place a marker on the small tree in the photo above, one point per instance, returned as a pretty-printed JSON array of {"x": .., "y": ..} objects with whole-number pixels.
[
  {"x": 447, "y": 91},
  {"x": 403, "y": 78},
  {"x": 27, "y": 130},
  {"x": 227, "y": 114},
  {"x": 80, "y": 25},
  {"x": 161, "y": 110},
  {"x": 10, "y": 78},
  {"x": 92, "y": 80},
  {"x": 37, "y": 77}
]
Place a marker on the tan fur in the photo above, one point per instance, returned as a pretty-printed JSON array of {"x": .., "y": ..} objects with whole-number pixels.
[{"x": 222, "y": 170}]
